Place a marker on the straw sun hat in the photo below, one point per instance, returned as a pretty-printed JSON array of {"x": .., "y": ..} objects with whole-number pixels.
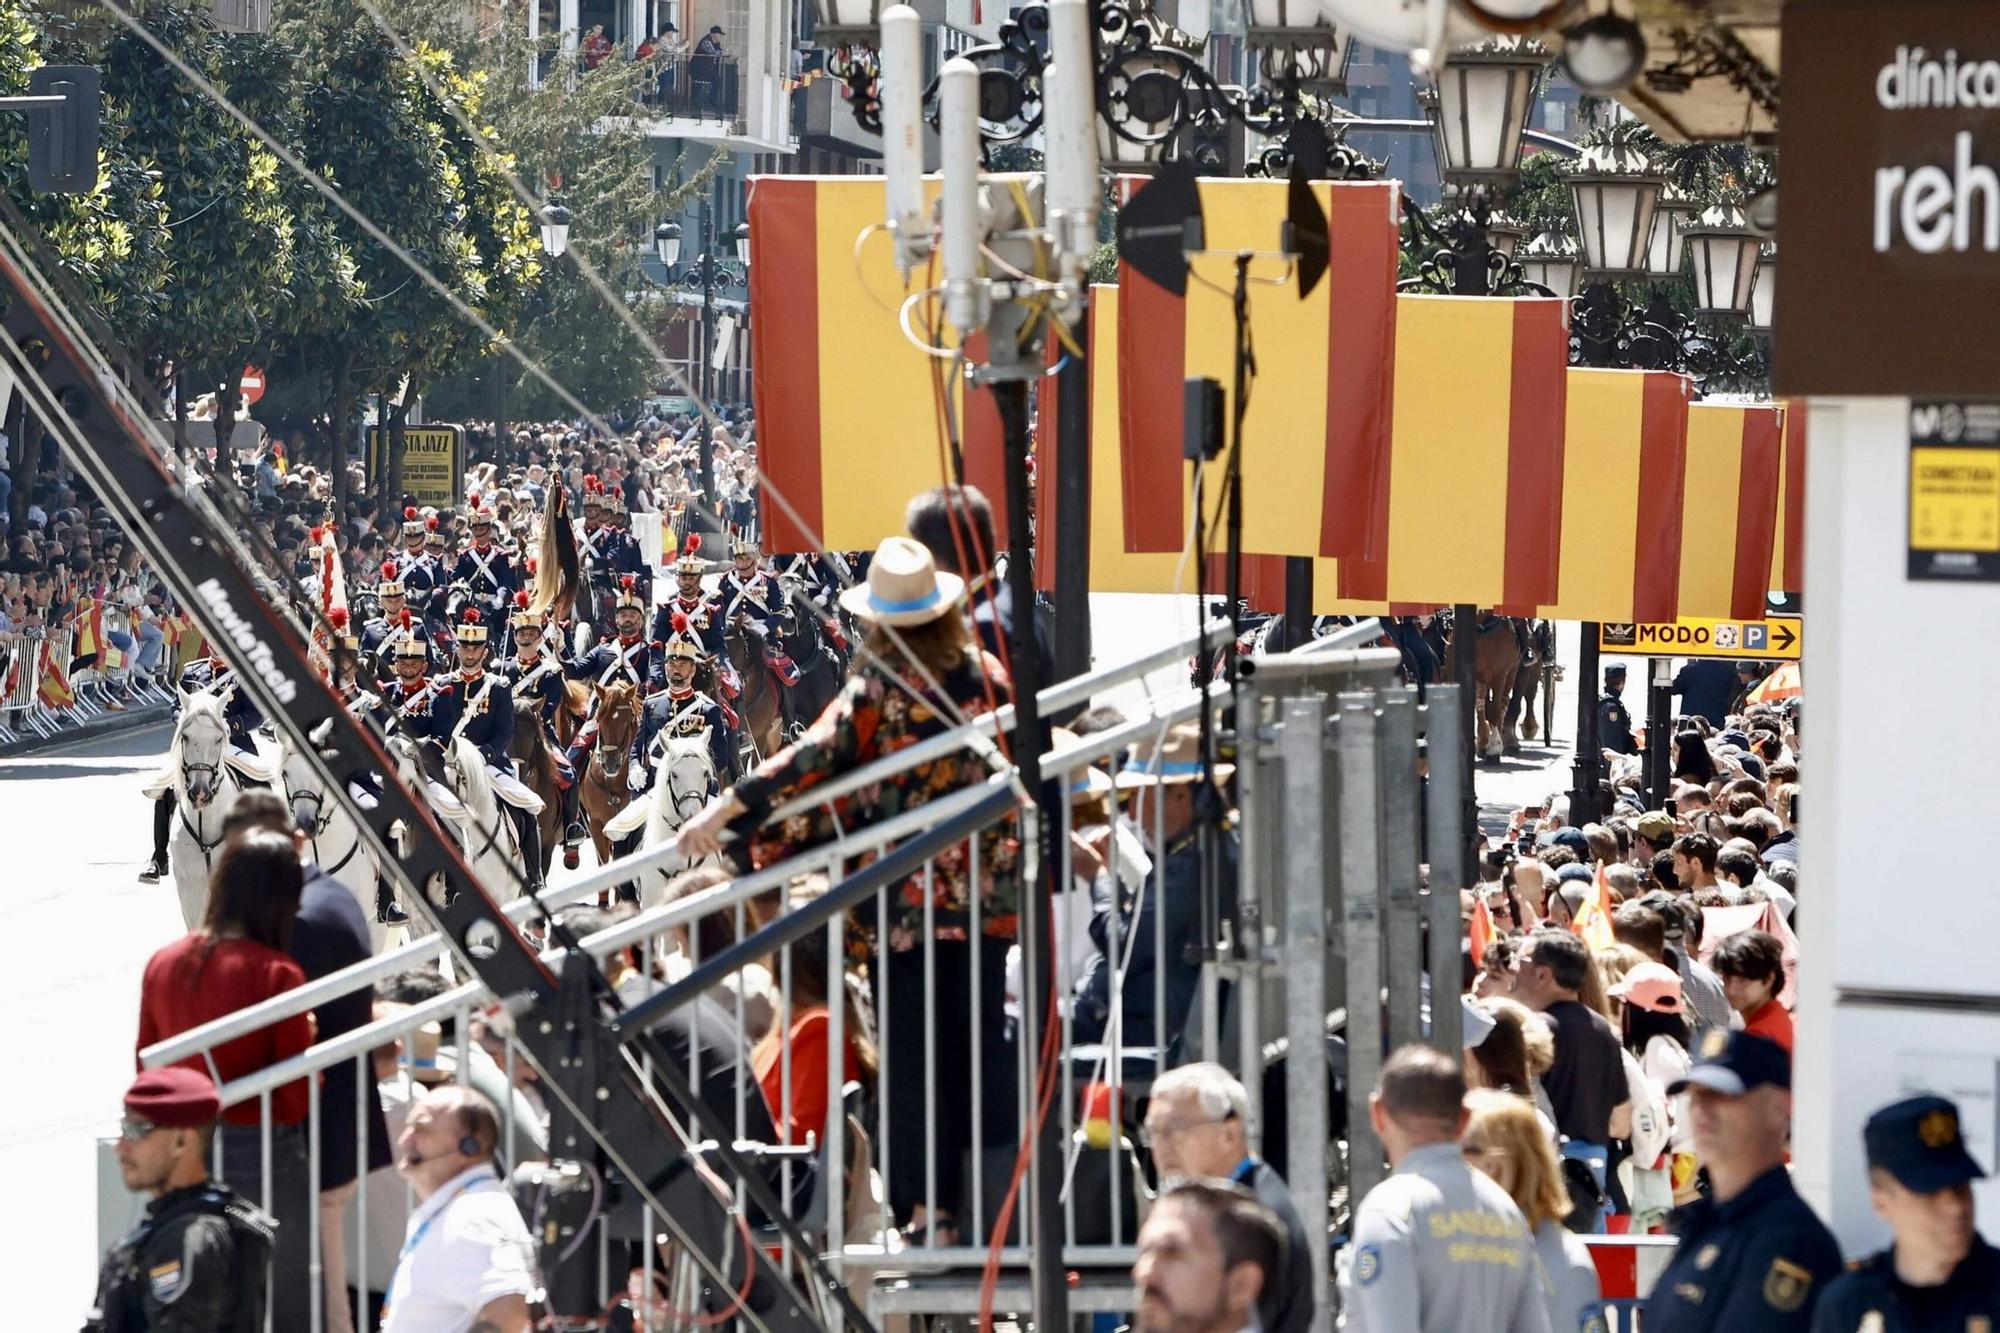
[
  {"x": 904, "y": 587},
  {"x": 1176, "y": 758}
]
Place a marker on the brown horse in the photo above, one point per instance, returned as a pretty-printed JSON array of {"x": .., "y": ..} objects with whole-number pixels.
[
  {"x": 535, "y": 762},
  {"x": 762, "y": 707},
  {"x": 1496, "y": 662},
  {"x": 574, "y": 708},
  {"x": 604, "y": 780}
]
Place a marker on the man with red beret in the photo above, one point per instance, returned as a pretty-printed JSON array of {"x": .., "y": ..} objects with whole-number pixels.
[{"x": 200, "y": 1260}]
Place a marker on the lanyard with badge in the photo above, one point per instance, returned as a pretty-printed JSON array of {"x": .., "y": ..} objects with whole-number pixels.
[{"x": 417, "y": 1238}]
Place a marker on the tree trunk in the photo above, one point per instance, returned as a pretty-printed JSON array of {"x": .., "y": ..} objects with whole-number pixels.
[
  {"x": 181, "y": 443},
  {"x": 226, "y": 398},
  {"x": 337, "y": 427}
]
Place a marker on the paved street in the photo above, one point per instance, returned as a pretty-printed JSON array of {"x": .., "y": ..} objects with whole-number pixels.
[{"x": 84, "y": 927}]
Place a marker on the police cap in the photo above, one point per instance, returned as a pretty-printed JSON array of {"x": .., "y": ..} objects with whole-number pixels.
[
  {"x": 173, "y": 1098},
  {"x": 1733, "y": 1063},
  {"x": 1917, "y": 1141}
]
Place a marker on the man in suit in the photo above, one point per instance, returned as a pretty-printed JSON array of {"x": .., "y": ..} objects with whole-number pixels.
[{"x": 328, "y": 934}]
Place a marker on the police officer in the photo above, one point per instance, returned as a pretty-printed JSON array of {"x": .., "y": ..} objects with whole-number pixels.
[
  {"x": 1752, "y": 1256},
  {"x": 1438, "y": 1247},
  {"x": 1940, "y": 1274},
  {"x": 1614, "y": 721},
  {"x": 199, "y": 1261}
]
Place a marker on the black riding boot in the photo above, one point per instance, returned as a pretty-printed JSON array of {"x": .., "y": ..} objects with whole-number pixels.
[
  {"x": 163, "y": 823},
  {"x": 574, "y": 833},
  {"x": 528, "y": 824},
  {"x": 388, "y": 911}
]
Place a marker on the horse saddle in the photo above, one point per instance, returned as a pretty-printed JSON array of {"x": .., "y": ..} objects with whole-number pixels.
[{"x": 631, "y": 819}]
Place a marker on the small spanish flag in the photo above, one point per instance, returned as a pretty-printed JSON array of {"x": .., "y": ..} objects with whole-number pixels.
[
  {"x": 1730, "y": 512},
  {"x": 1480, "y": 933},
  {"x": 54, "y": 690},
  {"x": 1593, "y": 919}
]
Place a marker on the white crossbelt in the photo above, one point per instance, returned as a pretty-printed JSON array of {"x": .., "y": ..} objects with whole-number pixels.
[{"x": 624, "y": 659}]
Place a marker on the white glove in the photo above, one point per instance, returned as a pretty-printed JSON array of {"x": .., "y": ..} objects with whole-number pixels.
[{"x": 636, "y": 777}]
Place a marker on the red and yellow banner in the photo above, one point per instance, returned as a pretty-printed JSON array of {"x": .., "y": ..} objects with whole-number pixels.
[
  {"x": 1316, "y": 433},
  {"x": 1788, "y": 548},
  {"x": 1624, "y": 489},
  {"x": 1114, "y": 567},
  {"x": 1729, "y": 515},
  {"x": 850, "y": 413},
  {"x": 54, "y": 691},
  {"x": 1475, "y": 476}
]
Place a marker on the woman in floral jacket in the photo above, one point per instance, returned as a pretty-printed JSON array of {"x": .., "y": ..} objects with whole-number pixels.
[{"x": 916, "y": 636}]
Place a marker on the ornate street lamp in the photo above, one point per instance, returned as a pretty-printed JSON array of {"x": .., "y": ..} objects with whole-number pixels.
[
  {"x": 555, "y": 230},
  {"x": 1479, "y": 109},
  {"x": 1764, "y": 291},
  {"x": 743, "y": 245},
  {"x": 1298, "y": 45},
  {"x": 1552, "y": 260},
  {"x": 667, "y": 244},
  {"x": 1724, "y": 251},
  {"x": 1603, "y": 54},
  {"x": 1666, "y": 253},
  {"x": 1615, "y": 192}
]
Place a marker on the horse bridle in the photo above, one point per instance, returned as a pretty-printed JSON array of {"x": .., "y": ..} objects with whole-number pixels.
[
  {"x": 597, "y": 751},
  {"x": 680, "y": 801},
  {"x": 321, "y": 821}
]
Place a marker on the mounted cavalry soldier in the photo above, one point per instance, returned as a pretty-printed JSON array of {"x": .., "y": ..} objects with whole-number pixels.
[
  {"x": 480, "y": 708},
  {"x": 484, "y": 569},
  {"x": 750, "y": 590},
  {"x": 537, "y": 678},
  {"x": 702, "y": 612},
  {"x": 376, "y": 633},
  {"x": 682, "y": 711},
  {"x": 211, "y": 674},
  {"x": 611, "y": 554},
  {"x": 421, "y": 574},
  {"x": 412, "y": 703},
  {"x": 628, "y": 656}
]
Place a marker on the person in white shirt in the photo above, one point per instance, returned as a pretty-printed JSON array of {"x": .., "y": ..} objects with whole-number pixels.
[{"x": 467, "y": 1262}]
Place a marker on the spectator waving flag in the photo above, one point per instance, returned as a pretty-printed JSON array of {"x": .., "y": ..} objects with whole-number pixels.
[
  {"x": 54, "y": 690},
  {"x": 1593, "y": 919},
  {"x": 1480, "y": 933}
]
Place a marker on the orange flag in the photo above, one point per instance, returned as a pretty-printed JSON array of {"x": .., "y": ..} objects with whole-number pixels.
[{"x": 1481, "y": 930}]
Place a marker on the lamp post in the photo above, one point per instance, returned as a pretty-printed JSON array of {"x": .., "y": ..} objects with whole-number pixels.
[{"x": 705, "y": 274}]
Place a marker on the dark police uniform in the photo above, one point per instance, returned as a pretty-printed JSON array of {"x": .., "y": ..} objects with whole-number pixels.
[
  {"x": 1917, "y": 1141},
  {"x": 192, "y": 1266},
  {"x": 1760, "y": 1260},
  {"x": 1614, "y": 725}
]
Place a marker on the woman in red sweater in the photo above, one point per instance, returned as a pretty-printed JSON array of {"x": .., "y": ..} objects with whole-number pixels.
[{"x": 237, "y": 959}]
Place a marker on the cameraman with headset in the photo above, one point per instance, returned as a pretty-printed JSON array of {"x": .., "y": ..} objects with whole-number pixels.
[{"x": 467, "y": 1262}]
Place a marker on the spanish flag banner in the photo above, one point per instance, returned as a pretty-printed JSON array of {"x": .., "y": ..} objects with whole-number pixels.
[
  {"x": 850, "y": 413},
  {"x": 54, "y": 690},
  {"x": 1316, "y": 433},
  {"x": 1624, "y": 485},
  {"x": 1476, "y": 465},
  {"x": 1788, "y": 547},
  {"x": 1114, "y": 567},
  {"x": 1729, "y": 515}
]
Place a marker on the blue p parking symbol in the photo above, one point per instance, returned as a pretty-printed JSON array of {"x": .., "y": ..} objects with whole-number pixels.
[{"x": 1756, "y": 638}]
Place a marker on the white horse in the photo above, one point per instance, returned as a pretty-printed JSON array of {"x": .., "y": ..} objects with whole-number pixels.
[
  {"x": 684, "y": 778},
  {"x": 334, "y": 839},
  {"x": 205, "y": 789},
  {"x": 486, "y": 827},
  {"x": 412, "y": 771}
]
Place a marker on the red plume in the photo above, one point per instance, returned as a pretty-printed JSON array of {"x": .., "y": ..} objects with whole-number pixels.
[
  {"x": 471, "y": 616},
  {"x": 693, "y": 542},
  {"x": 521, "y": 599},
  {"x": 405, "y": 618},
  {"x": 529, "y": 564},
  {"x": 318, "y": 534},
  {"x": 431, "y": 523},
  {"x": 389, "y": 571},
  {"x": 337, "y": 617},
  {"x": 680, "y": 622},
  {"x": 472, "y": 500},
  {"x": 409, "y": 513}
]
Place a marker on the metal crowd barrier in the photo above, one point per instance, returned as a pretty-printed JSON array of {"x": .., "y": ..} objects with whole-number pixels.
[{"x": 1333, "y": 824}]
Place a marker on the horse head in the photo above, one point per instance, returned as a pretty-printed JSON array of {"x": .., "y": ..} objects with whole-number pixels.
[
  {"x": 617, "y": 723},
  {"x": 686, "y": 772},
  {"x": 465, "y": 766},
  {"x": 201, "y": 747}
]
